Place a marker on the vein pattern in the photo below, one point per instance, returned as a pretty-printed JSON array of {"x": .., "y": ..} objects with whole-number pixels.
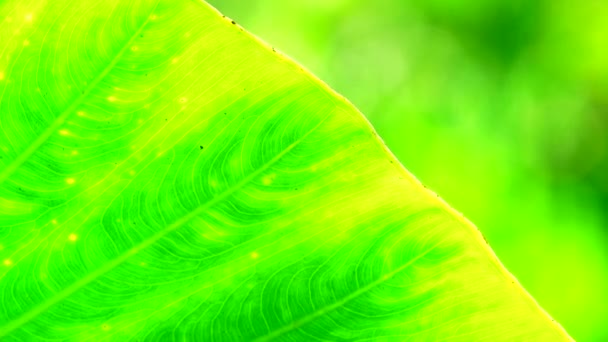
[{"x": 164, "y": 176}]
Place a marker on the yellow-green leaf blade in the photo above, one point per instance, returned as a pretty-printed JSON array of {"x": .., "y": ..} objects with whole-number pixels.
[{"x": 165, "y": 176}]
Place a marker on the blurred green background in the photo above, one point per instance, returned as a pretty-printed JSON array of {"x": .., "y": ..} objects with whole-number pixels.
[{"x": 500, "y": 106}]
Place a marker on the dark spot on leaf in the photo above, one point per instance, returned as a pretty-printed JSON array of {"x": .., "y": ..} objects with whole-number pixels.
[
  {"x": 201, "y": 147},
  {"x": 233, "y": 22}
]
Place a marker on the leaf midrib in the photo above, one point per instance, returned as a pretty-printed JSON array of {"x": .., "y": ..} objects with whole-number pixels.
[
  {"x": 58, "y": 297},
  {"x": 60, "y": 120}
]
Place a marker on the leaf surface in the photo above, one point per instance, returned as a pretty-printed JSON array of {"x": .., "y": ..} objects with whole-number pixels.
[{"x": 165, "y": 176}]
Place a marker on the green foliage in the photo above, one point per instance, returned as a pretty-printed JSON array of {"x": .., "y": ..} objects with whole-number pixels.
[
  {"x": 500, "y": 106},
  {"x": 164, "y": 176}
]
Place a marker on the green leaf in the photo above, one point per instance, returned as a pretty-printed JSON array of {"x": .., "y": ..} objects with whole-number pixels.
[{"x": 165, "y": 176}]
